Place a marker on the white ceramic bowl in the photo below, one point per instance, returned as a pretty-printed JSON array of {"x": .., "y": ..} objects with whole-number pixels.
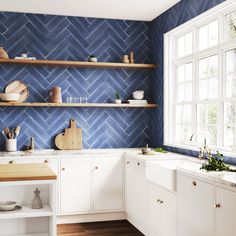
[
  {"x": 138, "y": 95},
  {"x": 7, "y": 206},
  {"x": 9, "y": 97}
]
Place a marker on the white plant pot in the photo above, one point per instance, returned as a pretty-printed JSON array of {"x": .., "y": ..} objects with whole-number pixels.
[
  {"x": 118, "y": 101},
  {"x": 11, "y": 145}
]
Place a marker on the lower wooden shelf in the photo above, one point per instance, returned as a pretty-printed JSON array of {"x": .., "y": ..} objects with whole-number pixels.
[
  {"x": 27, "y": 212},
  {"x": 44, "y": 104},
  {"x": 33, "y": 234}
]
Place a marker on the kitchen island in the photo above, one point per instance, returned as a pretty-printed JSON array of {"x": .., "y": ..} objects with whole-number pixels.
[{"x": 18, "y": 183}]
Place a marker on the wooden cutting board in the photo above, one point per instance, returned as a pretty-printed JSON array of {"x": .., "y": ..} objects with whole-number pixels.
[{"x": 71, "y": 139}]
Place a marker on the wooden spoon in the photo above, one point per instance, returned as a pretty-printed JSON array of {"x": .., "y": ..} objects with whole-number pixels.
[{"x": 17, "y": 131}]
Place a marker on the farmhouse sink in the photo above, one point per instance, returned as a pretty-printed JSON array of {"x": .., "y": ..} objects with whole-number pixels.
[{"x": 164, "y": 172}]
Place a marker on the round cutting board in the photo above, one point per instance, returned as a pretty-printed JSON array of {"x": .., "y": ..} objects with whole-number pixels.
[{"x": 17, "y": 86}]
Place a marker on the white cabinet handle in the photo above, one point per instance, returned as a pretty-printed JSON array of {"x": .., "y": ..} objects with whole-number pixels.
[{"x": 217, "y": 205}]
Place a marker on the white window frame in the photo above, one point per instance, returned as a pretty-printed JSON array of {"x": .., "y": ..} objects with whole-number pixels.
[{"x": 170, "y": 52}]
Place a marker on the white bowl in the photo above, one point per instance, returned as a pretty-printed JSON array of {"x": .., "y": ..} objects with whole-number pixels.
[
  {"x": 138, "y": 95},
  {"x": 9, "y": 97},
  {"x": 7, "y": 206}
]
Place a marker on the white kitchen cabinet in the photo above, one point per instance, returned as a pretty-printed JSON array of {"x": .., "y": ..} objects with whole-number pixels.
[
  {"x": 108, "y": 183},
  {"x": 136, "y": 190},
  {"x": 75, "y": 186},
  {"x": 225, "y": 210},
  {"x": 161, "y": 211},
  {"x": 195, "y": 211}
]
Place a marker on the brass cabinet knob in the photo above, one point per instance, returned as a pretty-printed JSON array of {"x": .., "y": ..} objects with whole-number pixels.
[
  {"x": 96, "y": 167},
  {"x": 45, "y": 161},
  {"x": 194, "y": 183},
  {"x": 217, "y": 205},
  {"x": 63, "y": 168},
  {"x": 160, "y": 201},
  {"x": 12, "y": 162}
]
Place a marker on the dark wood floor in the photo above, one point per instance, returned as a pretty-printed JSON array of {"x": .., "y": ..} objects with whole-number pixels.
[{"x": 107, "y": 228}]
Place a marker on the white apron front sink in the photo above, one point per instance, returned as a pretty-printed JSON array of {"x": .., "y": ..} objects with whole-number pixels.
[{"x": 164, "y": 172}]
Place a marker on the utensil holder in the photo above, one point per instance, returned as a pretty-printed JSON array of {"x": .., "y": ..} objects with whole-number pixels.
[{"x": 11, "y": 145}]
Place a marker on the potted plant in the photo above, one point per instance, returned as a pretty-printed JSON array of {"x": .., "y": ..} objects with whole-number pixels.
[{"x": 117, "y": 96}]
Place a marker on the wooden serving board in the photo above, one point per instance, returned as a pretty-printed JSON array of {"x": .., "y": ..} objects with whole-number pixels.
[
  {"x": 71, "y": 139},
  {"x": 17, "y": 86}
]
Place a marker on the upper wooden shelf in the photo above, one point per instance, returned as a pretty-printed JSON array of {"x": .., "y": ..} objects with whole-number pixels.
[
  {"x": 44, "y": 104},
  {"x": 77, "y": 64}
]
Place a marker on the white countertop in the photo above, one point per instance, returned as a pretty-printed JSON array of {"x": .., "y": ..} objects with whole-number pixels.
[
  {"x": 223, "y": 177},
  {"x": 52, "y": 152}
]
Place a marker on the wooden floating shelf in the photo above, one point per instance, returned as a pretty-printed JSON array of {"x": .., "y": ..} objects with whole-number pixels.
[
  {"x": 77, "y": 64},
  {"x": 43, "y": 104}
]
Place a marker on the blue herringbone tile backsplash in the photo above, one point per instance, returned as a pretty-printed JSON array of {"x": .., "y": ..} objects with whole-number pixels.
[{"x": 75, "y": 38}]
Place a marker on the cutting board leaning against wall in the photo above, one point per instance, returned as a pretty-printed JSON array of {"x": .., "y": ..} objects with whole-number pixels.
[{"x": 71, "y": 139}]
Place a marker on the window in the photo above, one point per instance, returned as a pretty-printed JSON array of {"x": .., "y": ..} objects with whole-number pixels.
[{"x": 200, "y": 81}]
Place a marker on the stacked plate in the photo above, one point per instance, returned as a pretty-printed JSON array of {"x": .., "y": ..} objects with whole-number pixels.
[{"x": 138, "y": 102}]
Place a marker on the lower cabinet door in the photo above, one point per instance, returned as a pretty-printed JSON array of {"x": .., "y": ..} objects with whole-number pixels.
[
  {"x": 195, "y": 211},
  {"x": 225, "y": 212},
  {"x": 154, "y": 210},
  {"x": 75, "y": 185},
  {"x": 108, "y": 183},
  {"x": 161, "y": 211}
]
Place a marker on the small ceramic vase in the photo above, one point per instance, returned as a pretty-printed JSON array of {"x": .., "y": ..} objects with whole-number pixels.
[
  {"x": 37, "y": 201},
  {"x": 125, "y": 59},
  {"x": 92, "y": 58},
  {"x": 3, "y": 54},
  {"x": 118, "y": 101},
  {"x": 131, "y": 56},
  {"x": 55, "y": 95}
]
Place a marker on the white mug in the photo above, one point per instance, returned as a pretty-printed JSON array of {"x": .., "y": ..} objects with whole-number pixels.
[{"x": 11, "y": 145}]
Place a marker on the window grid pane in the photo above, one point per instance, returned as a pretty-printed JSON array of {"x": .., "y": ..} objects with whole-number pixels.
[
  {"x": 185, "y": 45},
  {"x": 208, "y": 35},
  {"x": 184, "y": 83},
  {"x": 183, "y": 123},
  {"x": 208, "y": 78},
  {"x": 231, "y": 26}
]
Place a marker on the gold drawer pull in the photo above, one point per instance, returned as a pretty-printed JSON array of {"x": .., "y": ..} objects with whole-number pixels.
[{"x": 160, "y": 201}]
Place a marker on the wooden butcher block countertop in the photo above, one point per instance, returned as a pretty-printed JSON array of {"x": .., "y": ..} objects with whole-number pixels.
[{"x": 26, "y": 172}]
